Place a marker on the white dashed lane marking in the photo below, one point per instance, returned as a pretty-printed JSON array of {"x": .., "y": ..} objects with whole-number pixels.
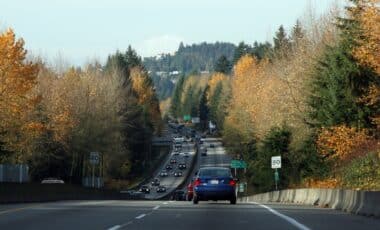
[{"x": 140, "y": 216}]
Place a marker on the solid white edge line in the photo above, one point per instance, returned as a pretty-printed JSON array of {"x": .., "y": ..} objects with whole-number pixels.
[
  {"x": 157, "y": 207},
  {"x": 140, "y": 216},
  {"x": 114, "y": 227},
  {"x": 287, "y": 218},
  {"x": 165, "y": 203}
]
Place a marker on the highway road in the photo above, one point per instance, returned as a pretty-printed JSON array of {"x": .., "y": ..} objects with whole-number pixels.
[
  {"x": 183, "y": 215},
  {"x": 170, "y": 182},
  {"x": 145, "y": 215},
  {"x": 216, "y": 156}
]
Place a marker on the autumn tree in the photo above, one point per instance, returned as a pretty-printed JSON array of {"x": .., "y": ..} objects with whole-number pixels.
[
  {"x": 367, "y": 51},
  {"x": 17, "y": 79}
]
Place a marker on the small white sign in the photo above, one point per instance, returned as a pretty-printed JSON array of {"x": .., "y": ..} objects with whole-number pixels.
[
  {"x": 211, "y": 125},
  {"x": 94, "y": 158},
  {"x": 276, "y": 162},
  {"x": 195, "y": 120}
]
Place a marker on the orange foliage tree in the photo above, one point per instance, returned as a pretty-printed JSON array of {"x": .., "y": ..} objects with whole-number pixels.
[
  {"x": 342, "y": 142},
  {"x": 17, "y": 79},
  {"x": 367, "y": 52}
]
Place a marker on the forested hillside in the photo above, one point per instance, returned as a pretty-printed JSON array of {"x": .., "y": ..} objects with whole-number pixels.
[
  {"x": 166, "y": 68},
  {"x": 189, "y": 58}
]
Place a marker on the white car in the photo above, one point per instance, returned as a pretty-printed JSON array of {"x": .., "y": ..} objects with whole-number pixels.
[{"x": 52, "y": 181}]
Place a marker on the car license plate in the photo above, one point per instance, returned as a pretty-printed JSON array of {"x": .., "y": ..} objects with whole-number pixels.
[{"x": 214, "y": 182}]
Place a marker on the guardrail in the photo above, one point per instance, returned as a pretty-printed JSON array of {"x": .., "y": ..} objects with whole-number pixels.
[{"x": 365, "y": 203}]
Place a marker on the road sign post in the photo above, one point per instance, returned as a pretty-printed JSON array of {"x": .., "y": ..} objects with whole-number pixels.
[
  {"x": 276, "y": 164},
  {"x": 276, "y": 178},
  {"x": 94, "y": 160}
]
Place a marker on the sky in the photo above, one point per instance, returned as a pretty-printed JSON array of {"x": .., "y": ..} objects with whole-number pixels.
[{"x": 83, "y": 30}]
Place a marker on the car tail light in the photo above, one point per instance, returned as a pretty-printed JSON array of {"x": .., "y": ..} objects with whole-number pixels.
[
  {"x": 232, "y": 182},
  {"x": 197, "y": 182}
]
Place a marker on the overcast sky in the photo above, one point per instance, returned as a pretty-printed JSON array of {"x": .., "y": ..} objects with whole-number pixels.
[{"x": 85, "y": 29}]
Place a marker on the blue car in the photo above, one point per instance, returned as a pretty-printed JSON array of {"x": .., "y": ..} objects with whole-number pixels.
[{"x": 214, "y": 183}]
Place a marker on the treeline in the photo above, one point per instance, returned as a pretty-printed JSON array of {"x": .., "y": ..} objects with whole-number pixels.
[
  {"x": 313, "y": 98},
  {"x": 190, "y": 58},
  {"x": 51, "y": 120}
]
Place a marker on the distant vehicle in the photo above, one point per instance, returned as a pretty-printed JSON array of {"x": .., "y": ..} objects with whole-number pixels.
[
  {"x": 203, "y": 136},
  {"x": 177, "y": 146},
  {"x": 186, "y": 154},
  {"x": 133, "y": 193},
  {"x": 173, "y": 161},
  {"x": 179, "y": 140},
  {"x": 178, "y": 174},
  {"x": 212, "y": 146},
  {"x": 190, "y": 191},
  {"x": 52, "y": 180},
  {"x": 214, "y": 183},
  {"x": 155, "y": 182},
  {"x": 203, "y": 151},
  {"x": 178, "y": 195},
  {"x": 163, "y": 174},
  {"x": 169, "y": 167},
  {"x": 181, "y": 166},
  {"x": 161, "y": 189},
  {"x": 144, "y": 189}
]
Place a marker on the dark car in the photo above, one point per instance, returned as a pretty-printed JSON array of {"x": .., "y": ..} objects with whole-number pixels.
[
  {"x": 178, "y": 195},
  {"x": 169, "y": 167},
  {"x": 190, "y": 191},
  {"x": 163, "y": 174},
  {"x": 203, "y": 153},
  {"x": 212, "y": 146},
  {"x": 144, "y": 189},
  {"x": 182, "y": 166},
  {"x": 173, "y": 161},
  {"x": 161, "y": 189},
  {"x": 186, "y": 154},
  {"x": 155, "y": 182},
  {"x": 214, "y": 183},
  {"x": 178, "y": 174}
]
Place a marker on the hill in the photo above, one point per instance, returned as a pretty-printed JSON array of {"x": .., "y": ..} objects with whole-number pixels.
[{"x": 201, "y": 58}]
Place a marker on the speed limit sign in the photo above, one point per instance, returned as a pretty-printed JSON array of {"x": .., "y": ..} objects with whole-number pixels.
[{"x": 276, "y": 162}]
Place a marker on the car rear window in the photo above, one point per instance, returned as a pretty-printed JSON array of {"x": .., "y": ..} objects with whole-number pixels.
[{"x": 218, "y": 172}]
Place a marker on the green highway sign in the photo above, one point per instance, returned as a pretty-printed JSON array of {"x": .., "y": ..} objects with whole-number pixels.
[
  {"x": 238, "y": 164},
  {"x": 187, "y": 118}
]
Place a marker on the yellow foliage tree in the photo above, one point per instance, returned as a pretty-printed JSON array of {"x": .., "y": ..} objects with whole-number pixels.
[{"x": 144, "y": 88}]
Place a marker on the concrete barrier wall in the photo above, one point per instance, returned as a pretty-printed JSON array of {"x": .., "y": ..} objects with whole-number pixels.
[{"x": 365, "y": 203}]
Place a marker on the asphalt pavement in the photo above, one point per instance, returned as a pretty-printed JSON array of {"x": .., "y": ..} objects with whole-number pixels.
[
  {"x": 170, "y": 182},
  {"x": 113, "y": 215},
  {"x": 183, "y": 215}
]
